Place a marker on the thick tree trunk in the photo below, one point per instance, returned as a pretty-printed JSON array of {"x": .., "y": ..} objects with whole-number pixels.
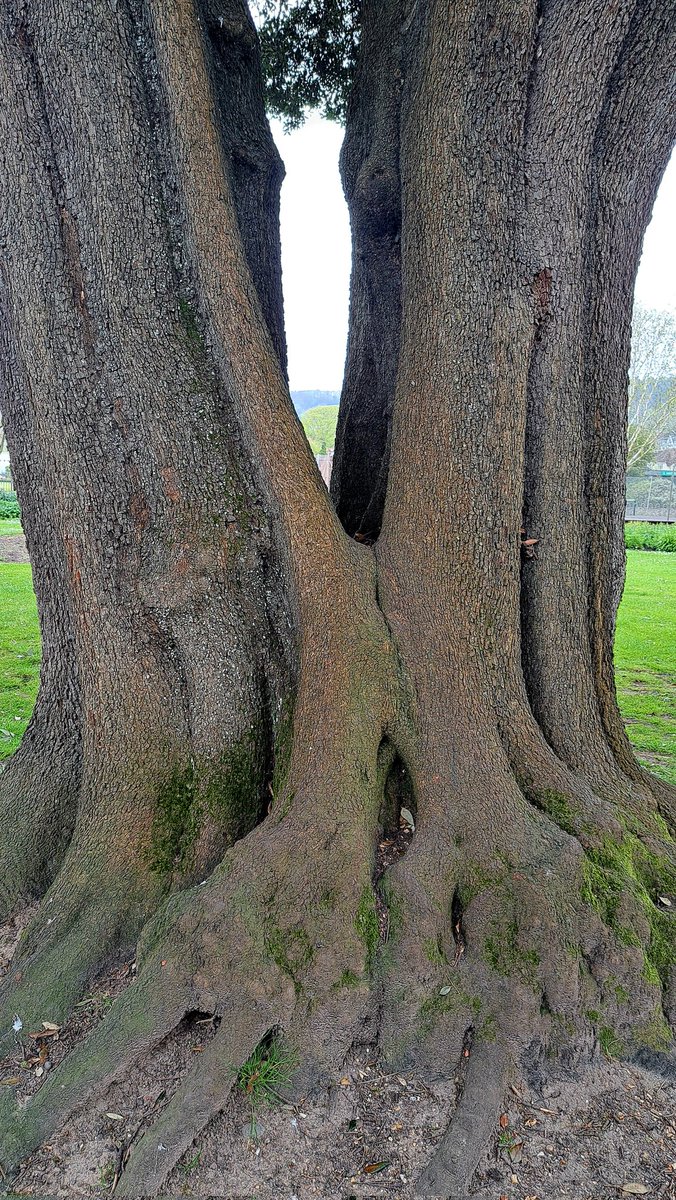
[
  {"x": 165, "y": 652},
  {"x": 217, "y": 601},
  {"x": 589, "y": 199},
  {"x": 370, "y": 172}
]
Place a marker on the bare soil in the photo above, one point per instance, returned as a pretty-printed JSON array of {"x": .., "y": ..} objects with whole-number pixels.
[
  {"x": 13, "y": 549},
  {"x": 588, "y": 1136}
]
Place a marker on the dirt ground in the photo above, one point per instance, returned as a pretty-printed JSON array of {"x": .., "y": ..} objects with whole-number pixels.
[
  {"x": 13, "y": 549},
  {"x": 605, "y": 1132}
]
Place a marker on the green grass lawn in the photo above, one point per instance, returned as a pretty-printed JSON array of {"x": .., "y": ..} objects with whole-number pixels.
[
  {"x": 645, "y": 656},
  {"x": 10, "y": 526},
  {"x": 19, "y": 653}
]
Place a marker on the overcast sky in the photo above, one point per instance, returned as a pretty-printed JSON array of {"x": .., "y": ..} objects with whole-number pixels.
[{"x": 316, "y": 253}]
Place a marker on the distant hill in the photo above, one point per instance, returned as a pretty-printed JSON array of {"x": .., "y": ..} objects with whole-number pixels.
[
  {"x": 319, "y": 424},
  {"x": 304, "y": 400}
]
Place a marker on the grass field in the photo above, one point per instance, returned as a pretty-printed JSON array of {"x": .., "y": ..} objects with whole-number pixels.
[
  {"x": 645, "y": 656},
  {"x": 19, "y": 653},
  {"x": 10, "y": 526}
]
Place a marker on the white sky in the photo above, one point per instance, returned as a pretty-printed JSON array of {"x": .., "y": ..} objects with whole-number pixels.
[{"x": 316, "y": 253}]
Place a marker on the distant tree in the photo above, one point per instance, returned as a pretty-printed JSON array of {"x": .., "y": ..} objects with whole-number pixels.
[{"x": 652, "y": 384}]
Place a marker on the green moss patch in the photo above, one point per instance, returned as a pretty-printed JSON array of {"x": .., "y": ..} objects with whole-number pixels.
[
  {"x": 366, "y": 925},
  {"x": 611, "y": 1045},
  {"x": 504, "y": 955},
  {"x": 176, "y": 823},
  {"x": 558, "y": 807},
  {"x": 290, "y": 949},
  {"x": 618, "y": 869},
  {"x": 226, "y": 791},
  {"x": 450, "y": 999}
]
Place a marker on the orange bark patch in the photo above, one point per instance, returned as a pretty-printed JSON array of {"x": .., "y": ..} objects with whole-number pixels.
[{"x": 170, "y": 481}]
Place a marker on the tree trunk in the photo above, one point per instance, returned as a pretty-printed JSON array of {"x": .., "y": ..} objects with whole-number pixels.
[
  {"x": 165, "y": 653},
  {"x": 258, "y": 691},
  {"x": 370, "y": 173}
]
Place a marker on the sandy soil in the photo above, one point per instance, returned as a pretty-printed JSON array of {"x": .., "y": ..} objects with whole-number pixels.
[{"x": 13, "y": 549}]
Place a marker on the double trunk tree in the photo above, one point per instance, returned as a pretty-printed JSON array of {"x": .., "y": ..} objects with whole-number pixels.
[{"x": 241, "y": 685}]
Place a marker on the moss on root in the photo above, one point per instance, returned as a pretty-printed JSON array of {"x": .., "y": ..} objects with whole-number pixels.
[
  {"x": 475, "y": 880},
  {"x": 504, "y": 954},
  {"x": 617, "y": 870},
  {"x": 558, "y": 807},
  {"x": 226, "y": 791},
  {"x": 290, "y": 949},
  {"x": 366, "y": 925},
  {"x": 655, "y": 1034},
  {"x": 450, "y": 999},
  {"x": 433, "y": 952}
]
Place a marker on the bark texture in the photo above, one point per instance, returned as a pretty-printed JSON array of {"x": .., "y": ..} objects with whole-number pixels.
[
  {"x": 166, "y": 653},
  {"x": 370, "y": 173},
  {"x": 257, "y": 694}
]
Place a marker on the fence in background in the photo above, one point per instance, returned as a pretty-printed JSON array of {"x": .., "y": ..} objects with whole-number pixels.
[{"x": 651, "y": 497}]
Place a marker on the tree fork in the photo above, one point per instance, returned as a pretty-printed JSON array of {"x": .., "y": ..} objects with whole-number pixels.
[{"x": 504, "y": 930}]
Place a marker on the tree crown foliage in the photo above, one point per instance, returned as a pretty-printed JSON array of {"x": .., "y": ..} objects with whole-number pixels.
[
  {"x": 308, "y": 50},
  {"x": 652, "y": 383}
]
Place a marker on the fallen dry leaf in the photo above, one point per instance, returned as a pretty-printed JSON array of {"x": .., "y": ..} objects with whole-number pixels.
[
  {"x": 373, "y": 1168},
  {"x": 504, "y": 1121},
  {"x": 635, "y": 1189}
]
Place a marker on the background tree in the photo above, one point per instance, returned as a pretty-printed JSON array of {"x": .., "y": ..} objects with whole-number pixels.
[
  {"x": 652, "y": 384},
  {"x": 203, "y": 602}
]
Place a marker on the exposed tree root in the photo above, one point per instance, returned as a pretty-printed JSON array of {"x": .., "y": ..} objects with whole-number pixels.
[
  {"x": 494, "y": 936},
  {"x": 285, "y": 935},
  {"x": 199, "y": 1097},
  {"x": 37, "y": 812},
  {"x": 469, "y": 1132},
  {"x": 74, "y": 933}
]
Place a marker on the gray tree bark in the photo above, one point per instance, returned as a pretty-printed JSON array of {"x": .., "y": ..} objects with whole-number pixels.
[{"x": 257, "y": 691}]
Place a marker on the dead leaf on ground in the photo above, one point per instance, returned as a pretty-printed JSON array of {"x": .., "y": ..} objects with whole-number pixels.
[
  {"x": 373, "y": 1168},
  {"x": 504, "y": 1121},
  {"x": 635, "y": 1189}
]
